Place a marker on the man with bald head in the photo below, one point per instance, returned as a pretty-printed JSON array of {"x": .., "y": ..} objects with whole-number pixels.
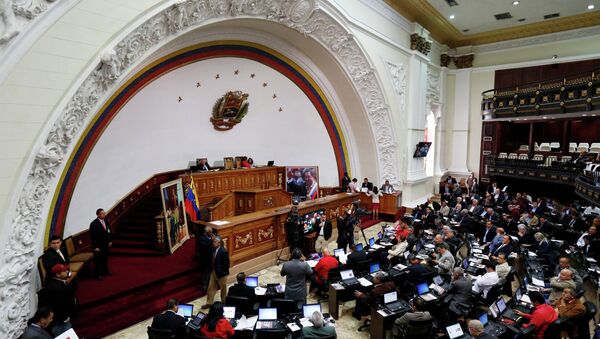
[
  {"x": 558, "y": 284},
  {"x": 476, "y": 330}
]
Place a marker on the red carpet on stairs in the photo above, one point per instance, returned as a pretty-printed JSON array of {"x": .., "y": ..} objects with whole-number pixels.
[
  {"x": 367, "y": 221},
  {"x": 137, "y": 290}
]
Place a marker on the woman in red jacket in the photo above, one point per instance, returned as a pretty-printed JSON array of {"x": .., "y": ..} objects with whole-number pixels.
[{"x": 214, "y": 325}]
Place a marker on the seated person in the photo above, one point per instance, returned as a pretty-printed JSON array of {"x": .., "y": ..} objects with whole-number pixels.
[
  {"x": 241, "y": 289},
  {"x": 366, "y": 299},
  {"x": 399, "y": 248},
  {"x": 321, "y": 270},
  {"x": 214, "y": 325},
  {"x": 489, "y": 234},
  {"x": 355, "y": 257},
  {"x": 36, "y": 326},
  {"x": 542, "y": 315},
  {"x": 502, "y": 267},
  {"x": 444, "y": 260},
  {"x": 416, "y": 268},
  {"x": 203, "y": 165},
  {"x": 565, "y": 263},
  {"x": 496, "y": 241},
  {"x": 558, "y": 284},
  {"x": 476, "y": 330},
  {"x": 484, "y": 283},
  {"x": 170, "y": 320},
  {"x": 458, "y": 294},
  {"x": 61, "y": 297},
  {"x": 418, "y": 313},
  {"x": 247, "y": 163},
  {"x": 505, "y": 246},
  {"x": 543, "y": 248},
  {"x": 451, "y": 239},
  {"x": 568, "y": 305},
  {"x": 319, "y": 329}
]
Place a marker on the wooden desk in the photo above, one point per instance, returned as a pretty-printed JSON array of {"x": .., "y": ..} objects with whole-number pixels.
[
  {"x": 379, "y": 322},
  {"x": 388, "y": 203},
  {"x": 250, "y": 235},
  {"x": 257, "y": 199}
]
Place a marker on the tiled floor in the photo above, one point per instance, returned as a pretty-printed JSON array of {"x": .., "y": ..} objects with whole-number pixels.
[{"x": 346, "y": 325}]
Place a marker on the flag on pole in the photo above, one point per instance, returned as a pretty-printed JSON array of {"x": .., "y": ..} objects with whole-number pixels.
[{"x": 191, "y": 201}]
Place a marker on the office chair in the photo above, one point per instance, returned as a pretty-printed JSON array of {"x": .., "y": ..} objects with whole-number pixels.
[
  {"x": 284, "y": 306},
  {"x": 583, "y": 322},
  {"x": 492, "y": 295},
  {"x": 362, "y": 267},
  {"x": 422, "y": 329},
  {"x": 526, "y": 332},
  {"x": 154, "y": 333},
  {"x": 272, "y": 334},
  {"x": 242, "y": 304},
  {"x": 555, "y": 328}
]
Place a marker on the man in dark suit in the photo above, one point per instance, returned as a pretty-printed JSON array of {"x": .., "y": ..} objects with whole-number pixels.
[
  {"x": 100, "y": 239},
  {"x": 459, "y": 295},
  {"x": 416, "y": 269},
  {"x": 54, "y": 255},
  {"x": 205, "y": 251},
  {"x": 367, "y": 184},
  {"x": 365, "y": 300},
  {"x": 218, "y": 274},
  {"x": 241, "y": 289},
  {"x": 203, "y": 165},
  {"x": 489, "y": 233},
  {"x": 355, "y": 257},
  {"x": 36, "y": 326},
  {"x": 418, "y": 313},
  {"x": 491, "y": 215},
  {"x": 475, "y": 209},
  {"x": 506, "y": 247},
  {"x": 170, "y": 320},
  {"x": 61, "y": 297}
]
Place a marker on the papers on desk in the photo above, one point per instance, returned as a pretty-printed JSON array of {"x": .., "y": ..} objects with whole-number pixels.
[
  {"x": 400, "y": 267},
  {"x": 305, "y": 322},
  {"x": 430, "y": 246},
  {"x": 477, "y": 251},
  {"x": 260, "y": 290},
  {"x": 591, "y": 260},
  {"x": 537, "y": 282},
  {"x": 312, "y": 263},
  {"x": 376, "y": 246},
  {"x": 69, "y": 334},
  {"x": 364, "y": 282},
  {"x": 219, "y": 222},
  {"x": 337, "y": 286},
  {"x": 343, "y": 258},
  {"x": 525, "y": 299},
  {"x": 382, "y": 312},
  {"x": 531, "y": 254},
  {"x": 293, "y": 327},
  {"x": 246, "y": 323}
]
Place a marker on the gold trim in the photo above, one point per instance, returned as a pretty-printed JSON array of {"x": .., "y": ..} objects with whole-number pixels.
[{"x": 445, "y": 33}]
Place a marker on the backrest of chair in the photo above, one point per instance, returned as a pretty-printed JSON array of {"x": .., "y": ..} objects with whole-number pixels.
[
  {"x": 573, "y": 144},
  {"x": 512, "y": 155},
  {"x": 272, "y": 333},
  {"x": 555, "y": 144},
  {"x": 550, "y": 159},
  {"x": 154, "y": 333},
  {"x": 70, "y": 246},
  {"x": 232, "y": 300},
  {"x": 524, "y": 148},
  {"x": 584, "y": 144},
  {"x": 502, "y": 155},
  {"x": 334, "y": 273},
  {"x": 284, "y": 306},
  {"x": 523, "y": 156},
  {"x": 565, "y": 158},
  {"x": 41, "y": 268},
  {"x": 538, "y": 157},
  {"x": 363, "y": 266},
  {"x": 554, "y": 328},
  {"x": 545, "y": 147},
  {"x": 419, "y": 329},
  {"x": 590, "y": 310},
  {"x": 494, "y": 292}
]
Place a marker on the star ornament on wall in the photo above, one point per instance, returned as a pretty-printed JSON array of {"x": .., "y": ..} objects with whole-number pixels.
[
  {"x": 218, "y": 76},
  {"x": 198, "y": 84},
  {"x": 252, "y": 75},
  {"x": 236, "y": 72},
  {"x": 179, "y": 99},
  {"x": 274, "y": 95}
]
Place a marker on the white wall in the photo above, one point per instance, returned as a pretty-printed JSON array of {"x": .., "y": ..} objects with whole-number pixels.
[{"x": 154, "y": 132}]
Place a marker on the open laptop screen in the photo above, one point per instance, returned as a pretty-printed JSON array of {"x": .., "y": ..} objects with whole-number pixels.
[
  {"x": 454, "y": 331},
  {"x": 186, "y": 310},
  {"x": 390, "y": 297},
  {"x": 359, "y": 247},
  {"x": 309, "y": 309},
  {"x": 422, "y": 288},
  {"x": 229, "y": 312},
  {"x": 347, "y": 274},
  {"x": 267, "y": 313},
  {"x": 483, "y": 318},
  {"x": 338, "y": 251},
  {"x": 501, "y": 305},
  {"x": 371, "y": 241},
  {"x": 438, "y": 280},
  {"x": 374, "y": 268},
  {"x": 252, "y": 281}
]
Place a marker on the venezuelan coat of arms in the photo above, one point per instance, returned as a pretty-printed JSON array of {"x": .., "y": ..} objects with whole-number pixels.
[{"x": 229, "y": 110}]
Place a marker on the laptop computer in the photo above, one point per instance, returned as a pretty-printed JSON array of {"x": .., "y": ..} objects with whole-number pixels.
[
  {"x": 194, "y": 324},
  {"x": 348, "y": 277},
  {"x": 338, "y": 251},
  {"x": 267, "y": 318},
  {"x": 390, "y": 300},
  {"x": 186, "y": 310},
  {"x": 252, "y": 281},
  {"x": 423, "y": 291},
  {"x": 455, "y": 331},
  {"x": 309, "y": 309},
  {"x": 438, "y": 280},
  {"x": 229, "y": 312},
  {"x": 379, "y": 235},
  {"x": 270, "y": 162},
  {"x": 371, "y": 242},
  {"x": 506, "y": 312},
  {"x": 491, "y": 328},
  {"x": 374, "y": 268},
  {"x": 522, "y": 304},
  {"x": 359, "y": 247}
]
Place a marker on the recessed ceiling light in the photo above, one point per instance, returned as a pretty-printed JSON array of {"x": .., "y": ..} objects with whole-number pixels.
[
  {"x": 515, "y": 3},
  {"x": 452, "y": 16},
  {"x": 466, "y": 30},
  {"x": 521, "y": 20},
  {"x": 591, "y": 6}
]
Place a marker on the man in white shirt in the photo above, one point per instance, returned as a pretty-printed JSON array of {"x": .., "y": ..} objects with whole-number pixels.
[
  {"x": 591, "y": 231},
  {"x": 484, "y": 283},
  {"x": 592, "y": 209},
  {"x": 502, "y": 268}
]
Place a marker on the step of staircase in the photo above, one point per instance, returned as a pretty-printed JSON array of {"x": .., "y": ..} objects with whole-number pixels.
[
  {"x": 139, "y": 252},
  {"x": 131, "y": 243}
]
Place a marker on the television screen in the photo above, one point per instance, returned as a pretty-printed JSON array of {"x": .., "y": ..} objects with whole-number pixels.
[
  {"x": 309, "y": 220},
  {"x": 302, "y": 182},
  {"x": 422, "y": 149}
]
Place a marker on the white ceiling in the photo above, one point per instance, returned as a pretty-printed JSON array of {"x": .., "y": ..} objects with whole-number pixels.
[{"x": 478, "y": 15}]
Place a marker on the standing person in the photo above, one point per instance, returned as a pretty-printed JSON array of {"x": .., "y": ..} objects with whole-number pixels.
[
  {"x": 100, "y": 239},
  {"x": 296, "y": 272},
  {"x": 36, "y": 326},
  {"x": 342, "y": 240},
  {"x": 375, "y": 194},
  {"x": 345, "y": 182},
  {"x": 214, "y": 325},
  {"x": 324, "y": 230},
  {"x": 218, "y": 274},
  {"x": 205, "y": 251}
]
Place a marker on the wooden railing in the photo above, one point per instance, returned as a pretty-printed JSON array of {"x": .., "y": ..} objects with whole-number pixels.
[{"x": 224, "y": 208}]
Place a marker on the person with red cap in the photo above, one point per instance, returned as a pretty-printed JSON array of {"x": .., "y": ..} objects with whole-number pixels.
[{"x": 61, "y": 297}]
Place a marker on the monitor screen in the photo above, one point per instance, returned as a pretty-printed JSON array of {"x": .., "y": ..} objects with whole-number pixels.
[
  {"x": 390, "y": 297},
  {"x": 252, "y": 281},
  {"x": 406, "y": 254},
  {"x": 438, "y": 280},
  {"x": 314, "y": 256},
  {"x": 422, "y": 288},
  {"x": 379, "y": 235},
  {"x": 309, "y": 309},
  {"x": 371, "y": 241},
  {"x": 374, "y": 268},
  {"x": 422, "y": 149},
  {"x": 501, "y": 305},
  {"x": 518, "y": 295},
  {"x": 454, "y": 331},
  {"x": 338, "y": 251},
  {"x": 347, "y": 274},
  {"x": 267, "y": 313},
  {"x": 359, "y": 247},
  {"x": 309, "y": 220},
  {"x": 483, "y": 318},
  {"x": 229, "y": 312},
  {"x": 186, "y": 310}
]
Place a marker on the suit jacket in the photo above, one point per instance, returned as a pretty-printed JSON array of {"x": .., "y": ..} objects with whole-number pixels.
[
  {"x": 355, "y": 257},
  {"x": 170, "y": 320},
  {"x": 242, "y": 290},
  {"x": 506, "y": 249},
  {"x": 379, "y": 290},
  {"x": 61, "y": 298},
  {"x": 416, "y": 271},
  {"x": 459, "y": 292},
  {"x": 558, "y": 286},
  {"x": 221, "y": 262},
  {"x": 51, "y": 258},
  {"x": 312, "y": 332},
  {"x": 34, "y": 332},
  {"x": 489, "y": 236},
  {"x": 296, "y": 273},
  {"x": 98, "y": 236},
  {"x": 327, "y": 228},
  {"x": 412, "y": 316}
]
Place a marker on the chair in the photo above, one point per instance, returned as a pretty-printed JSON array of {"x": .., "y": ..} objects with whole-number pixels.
[
  {"x": 502, "y": 155},
  {"x": 42, "y": 269},
  {"x": 572, "y": 147},
  {"x": 583, "y": 146},
  {"x": 524, "y": 148},
  {"x": 595, "y": 147},
  {"x": 526, "y": 332},
  {"x": 242, "y": 304},
  {"x": 284, "y": 306},
  {"x": 565, "y": 158},
  {"x": 419, "y": 329},
  {"x": 545, "y": 147},
  {"x": 154, "y": 333},
  {"x": 555, "y": 145},
  {"x": 512, "y": 155},
  {"x": 536, "y": 147},
  {"x": 538, "y": 157},
  {"x": 583, "y": 323},
  {"x": 554, "y": 328},
  {"x": 550, "y": 160},
  {"x": 84, "y": 257},
  {"x": 523, "y": 156},
  {"x": 272, "y": 333}
]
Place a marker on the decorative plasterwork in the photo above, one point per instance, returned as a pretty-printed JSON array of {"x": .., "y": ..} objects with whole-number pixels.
[
  {"x": 420, "y": 44},
  {"x": 433, "y": 86},
  {"x": 19, "y": 260},
  {"x": 16, "y": 15}
]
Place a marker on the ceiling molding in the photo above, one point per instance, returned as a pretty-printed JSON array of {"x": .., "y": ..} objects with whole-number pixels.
[{"x": 443, "y": 31}]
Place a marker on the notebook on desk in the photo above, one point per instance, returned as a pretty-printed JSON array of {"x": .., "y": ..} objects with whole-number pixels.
[{"x": 267, "y": 318}]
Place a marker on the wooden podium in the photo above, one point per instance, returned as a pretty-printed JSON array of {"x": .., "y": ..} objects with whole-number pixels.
[{"x": 388, "y": 203}]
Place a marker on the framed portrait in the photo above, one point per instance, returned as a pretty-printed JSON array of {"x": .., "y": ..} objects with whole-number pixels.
[
  {"x": 228, "y": 163},
  {"x": 238, "y": 161},
  {"x": 176, "y": 227},
  {"x": 302, "y": 182},
  {"x": 199, "y": 160}
]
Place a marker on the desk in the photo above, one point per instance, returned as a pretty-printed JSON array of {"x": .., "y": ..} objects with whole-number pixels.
[
  {"x": 379, "y": 321},
  {"x": 388, "y": 203}
]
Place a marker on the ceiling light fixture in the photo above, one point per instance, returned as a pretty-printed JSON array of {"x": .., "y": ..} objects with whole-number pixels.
[
  {"x": 591, "y": 6},
  {"x": 515, "y": 3},
  {"x": 451, "y": 16}
]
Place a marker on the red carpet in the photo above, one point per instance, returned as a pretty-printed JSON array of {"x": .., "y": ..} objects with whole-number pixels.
[
  {"x": 367, "y": 221},
  {"x": 137, "y": 290}
]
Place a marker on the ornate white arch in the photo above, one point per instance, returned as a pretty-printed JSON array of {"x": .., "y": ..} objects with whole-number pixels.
[{"x": 304, "y": 16}]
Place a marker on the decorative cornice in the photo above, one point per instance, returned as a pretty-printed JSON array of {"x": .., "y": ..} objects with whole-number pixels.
[
  {"x": 463, "y": 61},
  {"x": 420, "y": 44},
  {"x": 304, "y": 16},
  {"x": 16, "y": 16},
  {"x": 383, "y": 9}
]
